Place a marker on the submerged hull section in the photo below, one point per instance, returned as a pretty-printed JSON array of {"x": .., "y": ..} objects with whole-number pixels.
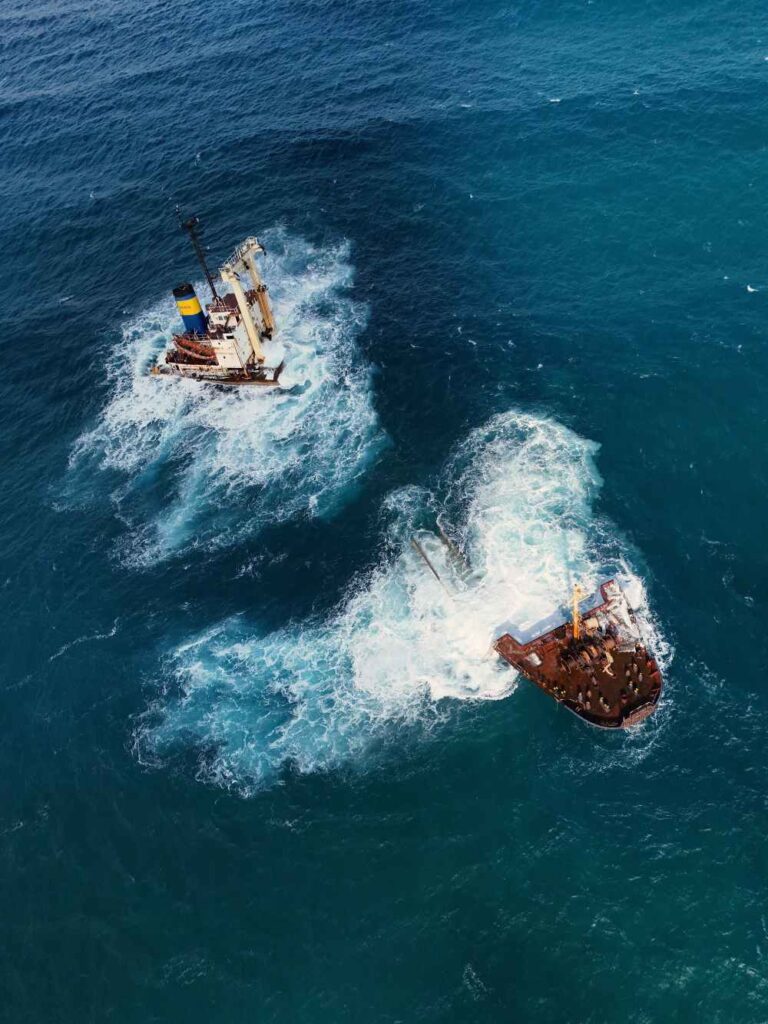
[{"x": 606, "y": 675}]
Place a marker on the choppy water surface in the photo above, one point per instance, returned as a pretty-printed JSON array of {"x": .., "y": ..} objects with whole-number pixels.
[{"x": 258, "y": 762}]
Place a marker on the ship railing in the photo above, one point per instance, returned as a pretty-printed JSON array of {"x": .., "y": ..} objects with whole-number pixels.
[{"x": 239, "y": 253}]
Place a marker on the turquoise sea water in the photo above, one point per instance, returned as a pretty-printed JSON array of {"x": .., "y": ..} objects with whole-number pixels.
[{"x": 256, "y": 764}]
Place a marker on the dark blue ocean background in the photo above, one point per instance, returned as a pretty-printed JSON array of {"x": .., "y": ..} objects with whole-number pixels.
[{"x": 251, "y": 765}]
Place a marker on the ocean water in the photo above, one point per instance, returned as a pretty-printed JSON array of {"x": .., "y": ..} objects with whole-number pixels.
[{"x": 257, "y": 763}]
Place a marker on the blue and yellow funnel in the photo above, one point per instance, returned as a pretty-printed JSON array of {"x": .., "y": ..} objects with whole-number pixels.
[{"x": 189, "y": 306}]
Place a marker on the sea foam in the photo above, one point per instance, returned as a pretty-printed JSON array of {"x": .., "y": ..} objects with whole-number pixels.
[
  {"x": 517, "y": 499},
  {"x": 230, "y": 460}
]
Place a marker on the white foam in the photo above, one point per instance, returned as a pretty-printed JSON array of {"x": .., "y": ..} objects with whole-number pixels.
[
  {"x": 85, "y": 639},
  {"x": 517, "y": 496},
  {"x": 238, "y": 458}
]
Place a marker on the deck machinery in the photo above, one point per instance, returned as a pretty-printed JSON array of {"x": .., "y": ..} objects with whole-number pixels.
[
  {"x": 597, "y": 665},
  {"x": 230, "y": 342}
]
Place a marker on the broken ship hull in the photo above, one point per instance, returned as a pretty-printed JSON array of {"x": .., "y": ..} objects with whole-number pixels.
[{"x": 606, "y": 675}]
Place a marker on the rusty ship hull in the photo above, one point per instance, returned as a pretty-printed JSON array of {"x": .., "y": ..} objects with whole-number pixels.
[{"x": 604, "y": 673}]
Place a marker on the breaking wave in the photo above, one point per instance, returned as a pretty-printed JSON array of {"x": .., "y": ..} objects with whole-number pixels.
[
  {"x": 198, "y": 466},
  {"x": 515, "y": 501}
]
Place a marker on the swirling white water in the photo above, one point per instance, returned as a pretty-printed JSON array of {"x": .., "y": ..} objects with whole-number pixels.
[
  {"x": 232, "y": 460},
  {"x": 517, "y": 496}
]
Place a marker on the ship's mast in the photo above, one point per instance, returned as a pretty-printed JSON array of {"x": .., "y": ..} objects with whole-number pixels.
[{"x": 191, "y": 227}]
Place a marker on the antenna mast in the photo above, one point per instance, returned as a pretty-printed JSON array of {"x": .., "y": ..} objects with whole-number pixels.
[{"x": 191, "y": 227}]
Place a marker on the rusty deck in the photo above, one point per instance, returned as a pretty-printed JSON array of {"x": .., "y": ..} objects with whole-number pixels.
[{"x": 606, "y": 676}]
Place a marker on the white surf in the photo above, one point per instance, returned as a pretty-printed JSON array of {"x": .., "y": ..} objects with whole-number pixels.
[
  {"x": 517, "y": 497},
  {"x": 235, "y": 459}
]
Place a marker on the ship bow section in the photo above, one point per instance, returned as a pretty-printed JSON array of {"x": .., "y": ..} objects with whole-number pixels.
[{"x": 602, "y": 671}]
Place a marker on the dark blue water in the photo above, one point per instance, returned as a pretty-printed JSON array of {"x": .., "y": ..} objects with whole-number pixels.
[{"x": 256, "y": 763}]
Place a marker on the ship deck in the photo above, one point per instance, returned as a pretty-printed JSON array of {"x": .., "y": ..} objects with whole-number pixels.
[{"x": 607, "y": 676}]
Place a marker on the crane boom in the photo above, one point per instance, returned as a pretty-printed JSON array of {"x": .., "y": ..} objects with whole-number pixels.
[{"x": 577, "y": 595}]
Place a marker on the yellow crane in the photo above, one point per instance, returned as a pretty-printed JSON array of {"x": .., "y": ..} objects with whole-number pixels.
[{"x": 578, "y": 593}]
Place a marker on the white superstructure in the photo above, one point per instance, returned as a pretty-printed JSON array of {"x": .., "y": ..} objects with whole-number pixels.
[{"x": 232, "y": 341}]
